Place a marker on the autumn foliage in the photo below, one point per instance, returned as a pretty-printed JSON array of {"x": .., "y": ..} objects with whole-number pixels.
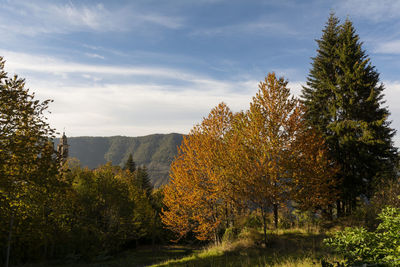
[
  {"x": 195, "y": 196},
  {"x": 263, "y": 158}
]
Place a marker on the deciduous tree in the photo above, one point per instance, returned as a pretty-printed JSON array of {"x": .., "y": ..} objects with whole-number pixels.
[{"x": 194, "y": 196}]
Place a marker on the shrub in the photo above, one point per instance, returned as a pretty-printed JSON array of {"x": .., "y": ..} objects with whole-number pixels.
[
  {"x": 358, "y": 245},
  {"x": 230, "y": 235}
]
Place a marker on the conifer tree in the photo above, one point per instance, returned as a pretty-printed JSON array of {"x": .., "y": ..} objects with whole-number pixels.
[
  {"x": 130, "y": 164},
  {"x": 322, "y": 79},
  {"x": 343, "y": 97},
  {"x": 143, "y": 180}
]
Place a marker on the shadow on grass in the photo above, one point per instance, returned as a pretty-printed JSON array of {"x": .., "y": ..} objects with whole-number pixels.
[
  {"x": 148, "y": 256},
  {"x": 282, "y": 249},
  {"x": 143, "y": 256}
]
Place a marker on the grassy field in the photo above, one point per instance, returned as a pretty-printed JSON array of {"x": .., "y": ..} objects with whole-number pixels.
[{"x": 294, "y": 247}]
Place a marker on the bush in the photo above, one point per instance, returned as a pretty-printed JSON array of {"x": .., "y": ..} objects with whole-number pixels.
[
  {"x": 249, "y": 234},
  {"x": 358, "y": 245},
  {"x": 253, "y": 221},
  {"x": 230, "y": 234}
]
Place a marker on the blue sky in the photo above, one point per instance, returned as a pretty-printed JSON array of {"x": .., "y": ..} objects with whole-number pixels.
[{"x": 141, "y": 67}]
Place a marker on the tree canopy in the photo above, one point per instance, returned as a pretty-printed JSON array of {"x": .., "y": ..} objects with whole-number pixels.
[{"x": 344, "y": 102}]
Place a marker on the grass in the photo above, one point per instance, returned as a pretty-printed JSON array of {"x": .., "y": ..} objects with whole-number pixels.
[
  {"x": 144, "y": 256},
  {"x": 286, "y": 248},
  {"x": 295, "y": 247}
]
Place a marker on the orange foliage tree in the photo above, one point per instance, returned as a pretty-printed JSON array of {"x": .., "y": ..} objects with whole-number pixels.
[
  {"x": 261, "y": 158},
  {"x": 265, "y": 133},
  {"x": 195, "y": 196}
]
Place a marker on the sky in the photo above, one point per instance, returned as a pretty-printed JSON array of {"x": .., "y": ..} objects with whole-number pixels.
[{"x": 141, "y": 67}]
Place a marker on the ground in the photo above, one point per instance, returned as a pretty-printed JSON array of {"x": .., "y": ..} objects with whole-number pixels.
[{"x": 293, "y": 247}]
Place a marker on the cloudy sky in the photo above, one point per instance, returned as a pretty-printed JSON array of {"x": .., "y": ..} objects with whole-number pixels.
[{"x": 141, "y": 67}]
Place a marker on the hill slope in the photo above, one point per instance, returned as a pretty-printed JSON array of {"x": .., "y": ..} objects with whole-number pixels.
[{"x": 155, "y": 151}]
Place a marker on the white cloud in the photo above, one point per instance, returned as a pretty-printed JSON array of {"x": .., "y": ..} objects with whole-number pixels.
[
  {"x": 94, "y": 55},
  {"x": 93, "y": 106},
  {"x": 391, "y": 47},
  {"x": 133, "y": 109},
  {"x": 369, "y": 9},
  {"x": 45, "y": 17},
  {"x": 392, "y": 97},
  {"x": 254, "y": 27}
]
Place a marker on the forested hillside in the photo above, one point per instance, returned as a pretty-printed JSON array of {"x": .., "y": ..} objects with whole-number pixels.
[{"x": 155, "y": 151}]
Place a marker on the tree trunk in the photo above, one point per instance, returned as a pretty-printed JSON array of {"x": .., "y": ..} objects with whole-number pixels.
[
  {"x": 9, "y": 240},
  {"x": 153, "y": 234},
  {"x": 264, "y": 225},
  {"x": 276, "y": 215},
  {"x": 338, "y": 209}
]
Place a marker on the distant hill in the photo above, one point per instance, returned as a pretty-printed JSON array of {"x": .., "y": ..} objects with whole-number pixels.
[{"x": 155, "y": 151}]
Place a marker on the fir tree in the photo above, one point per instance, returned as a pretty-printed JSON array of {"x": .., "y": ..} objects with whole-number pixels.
[
  {"x": 322, "y": 80},
  {"x": 343, "y": 97},
  {"x": 143, "y": 180},
  {"x": 130, "y": 164}
]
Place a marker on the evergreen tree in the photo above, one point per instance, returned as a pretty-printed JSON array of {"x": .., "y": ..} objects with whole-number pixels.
[
  {"x": 143, "y": 180},
  {"x": 343, "y": 97},
  {"x": 130, "y": 164},
  {"x": 321, "y": 81}
]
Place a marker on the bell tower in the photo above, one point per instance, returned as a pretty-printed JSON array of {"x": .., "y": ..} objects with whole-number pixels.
[{"x": 62, "y": 149}]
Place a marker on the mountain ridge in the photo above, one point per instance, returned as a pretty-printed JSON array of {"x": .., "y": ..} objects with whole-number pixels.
[{"x": 155, "y": 151}]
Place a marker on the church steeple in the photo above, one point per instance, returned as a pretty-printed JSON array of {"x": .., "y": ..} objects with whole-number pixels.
[{"x": 62, "y": 149}]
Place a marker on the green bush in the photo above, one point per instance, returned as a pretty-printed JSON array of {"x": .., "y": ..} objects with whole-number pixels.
[
  {"x": 230, "y": 234},
  {"x": 249, "y": 234},
  {"x": 358, "y": 245},
  {"x": 253, "y": 221}
]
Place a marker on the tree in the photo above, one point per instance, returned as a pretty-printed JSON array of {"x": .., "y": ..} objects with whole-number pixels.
[
  {"x": 143, "y": 180},
  {"x": 130, "y": 164},
  {"x": 27, "y": 160},
  {"x": 194, "y": 198},
  {"x": 266, "y": 131},
  {"x": 317, "y": 95},
  {"x": 313, "y": 174},
  {"x": 343, "y": 98},
  {"x": 276, "y": 156}
]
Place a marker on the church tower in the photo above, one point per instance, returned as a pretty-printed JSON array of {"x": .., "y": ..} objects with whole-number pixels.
[{"x": 62, "y": 149}]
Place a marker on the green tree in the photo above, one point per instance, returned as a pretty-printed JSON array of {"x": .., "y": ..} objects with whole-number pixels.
[
  {"x": 343, "y": 97},
  {"x": 143, "y": 180},
  {"x": 27, "y": 160},
  {"x": 130, "y": 164},
  {"x": 321, "y": 80},
  {"x": 379, "y": 248}
]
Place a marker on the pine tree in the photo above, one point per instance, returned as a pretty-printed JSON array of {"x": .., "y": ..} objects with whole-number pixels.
[
  {"x": 322, "y": 79},
  {"x": 343, "y": 99},
  {"x": 143, "y": 180},
  {"x": 130, "y": 164}
]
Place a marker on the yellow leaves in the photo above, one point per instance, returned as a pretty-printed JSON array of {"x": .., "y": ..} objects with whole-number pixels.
[
  {"x": 263, "y": 156},
  {"x": 196, "y": 188}
]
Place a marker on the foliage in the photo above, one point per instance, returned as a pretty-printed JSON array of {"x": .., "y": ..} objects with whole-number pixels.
[
  {"x": 130, "y": 164},
  {"x": 344, "y": 101},
  {"x": 27, "y": 168},
  {"x": 143, "y": 180},
  {"x": 358, "y": 245},
  {"x": 108, "y": 210},
  {"x": 195, "y": 198},
  {"x": 258, "y": 159}
]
